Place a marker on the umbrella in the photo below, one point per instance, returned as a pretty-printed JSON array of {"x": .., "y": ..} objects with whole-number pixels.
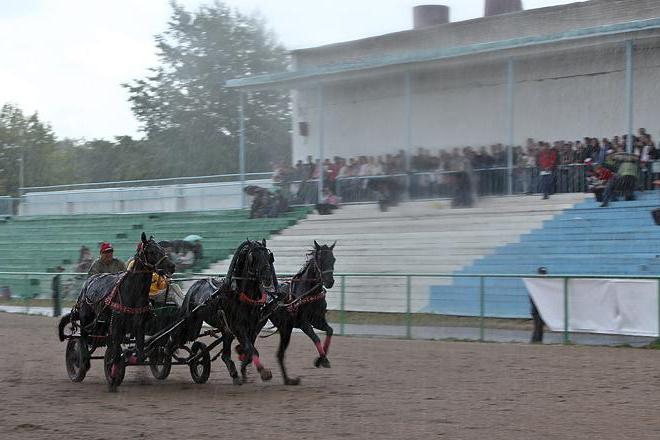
[{"x": 192, "y": 238}]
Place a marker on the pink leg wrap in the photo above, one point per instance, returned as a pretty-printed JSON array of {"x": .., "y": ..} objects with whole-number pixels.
[
  {"x": 132, "y": 360},
  {"x": 257, "y": 362},
  {"x": 242, "y": 357},
  {"x": 320, "y": 349},
  {"x": 326, "y": 344},
  {"x": 114, "y": 371}
]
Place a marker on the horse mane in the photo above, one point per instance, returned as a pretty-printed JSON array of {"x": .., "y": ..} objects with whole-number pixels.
[{"x": 237, "y": 260}]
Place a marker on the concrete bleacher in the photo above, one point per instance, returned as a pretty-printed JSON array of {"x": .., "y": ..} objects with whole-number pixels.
[
  {"x": 39, "y": 244},
  {"x": 621, "y": 239},
  {"x": 415, "y": 237}
]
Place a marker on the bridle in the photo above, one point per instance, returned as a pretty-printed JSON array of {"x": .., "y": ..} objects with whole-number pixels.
[{"x": 141, "y": 256}]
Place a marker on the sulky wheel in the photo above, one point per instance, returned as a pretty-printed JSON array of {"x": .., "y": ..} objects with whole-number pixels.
[
  {"x": 107, "y": 367},
  {"x": 75, "y": 364},
  {"x": 200, "y": 369},
  {"x": 160, "y": 363}
]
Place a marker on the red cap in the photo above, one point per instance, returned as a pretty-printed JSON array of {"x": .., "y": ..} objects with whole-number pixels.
[{"x": 106, "y": 247}]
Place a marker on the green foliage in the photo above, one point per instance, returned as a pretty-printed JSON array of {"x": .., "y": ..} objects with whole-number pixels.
[{"x": 190, "y": 118}]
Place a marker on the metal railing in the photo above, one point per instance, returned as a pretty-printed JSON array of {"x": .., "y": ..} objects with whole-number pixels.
[{"x": 407, "y": 296}]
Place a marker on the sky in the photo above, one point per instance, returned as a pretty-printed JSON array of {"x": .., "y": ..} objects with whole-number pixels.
[{"x": 67, "y": 59}]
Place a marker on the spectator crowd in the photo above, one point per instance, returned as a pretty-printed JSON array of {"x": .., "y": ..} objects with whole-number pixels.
[{"x": 563, "y": 162}]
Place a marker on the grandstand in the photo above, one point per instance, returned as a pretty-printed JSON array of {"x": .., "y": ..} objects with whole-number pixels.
[
  {"x": 585, "y": 239},
  {"x": 415, "y": 237},
  {"x": 39, "y": 244}
]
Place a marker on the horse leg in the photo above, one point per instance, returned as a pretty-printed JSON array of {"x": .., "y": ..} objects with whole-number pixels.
[
  {"x": 116, "y": 337},
  {"x": 285, "y": 338},
  {"x": 139, "y": 341},
  {"x": 226, "y": 358},
  {"x": 323, "y": 325},
  {"x": 322, "y": 360},
  {"x": 252, "y": 355}
]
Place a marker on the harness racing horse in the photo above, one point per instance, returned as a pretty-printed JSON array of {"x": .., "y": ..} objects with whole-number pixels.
[
  {"x": 235, "y": 304},
  {"x": 113, "y": 305},
  {"x": 306, "y": 308}
]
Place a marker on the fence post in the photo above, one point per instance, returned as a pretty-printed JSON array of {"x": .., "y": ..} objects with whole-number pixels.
[
  {"x": 342, "y": 312},
  {"x": 566, "y": 338},
  {"x": 482, "y": 308},
  {"x": 408, "y": 309},
  {"x": 658, "y": 339}
]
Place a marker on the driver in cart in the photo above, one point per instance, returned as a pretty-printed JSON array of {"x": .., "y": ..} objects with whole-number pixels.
[{"x": 162, "y": 289}]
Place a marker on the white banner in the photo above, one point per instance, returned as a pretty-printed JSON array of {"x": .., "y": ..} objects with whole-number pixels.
[{"x": 619, "y": 307}]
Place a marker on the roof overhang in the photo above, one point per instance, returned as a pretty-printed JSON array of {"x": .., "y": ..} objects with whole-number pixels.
[{"x": 290, "y": 79}]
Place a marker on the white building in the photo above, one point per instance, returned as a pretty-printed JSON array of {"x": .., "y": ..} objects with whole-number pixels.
[{"x": 551, "y": 73}]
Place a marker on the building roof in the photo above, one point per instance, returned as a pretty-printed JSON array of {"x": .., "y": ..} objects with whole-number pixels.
[{"x": 285, "y": 79}]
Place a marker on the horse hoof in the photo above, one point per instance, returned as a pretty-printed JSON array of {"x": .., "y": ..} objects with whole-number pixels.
[
  {"x": 295, "y": 381},
  {"x": 237, "y": 381},
  {"x": 265, "y": 374},
  {"x": 322, "y": 362}
]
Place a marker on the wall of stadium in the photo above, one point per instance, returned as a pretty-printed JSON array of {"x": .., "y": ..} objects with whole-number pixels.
[
  {"x": 565, "y": 94},
  {"x": 166, "y": 198}
]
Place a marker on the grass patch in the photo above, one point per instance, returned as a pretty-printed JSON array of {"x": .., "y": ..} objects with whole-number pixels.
[{"x": 428, "y": 320}]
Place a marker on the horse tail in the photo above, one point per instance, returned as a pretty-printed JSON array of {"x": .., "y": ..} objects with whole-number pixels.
[{"x": 66, "y": 319}]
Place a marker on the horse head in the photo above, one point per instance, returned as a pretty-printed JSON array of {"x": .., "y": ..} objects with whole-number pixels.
[
  {"x": 152, "y": 256},
  {"x": 258, "y": 264},
  {"x": 324, "y": 261}
]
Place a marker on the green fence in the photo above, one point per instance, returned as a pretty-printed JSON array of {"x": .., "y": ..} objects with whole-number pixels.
[{"x": 26, "y": 286}]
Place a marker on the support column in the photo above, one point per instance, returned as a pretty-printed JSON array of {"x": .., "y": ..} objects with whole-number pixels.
[
  {"x": 510, "y": 116},
  {"x": 321, "y": 104},
  {"x": 630, "y": 95},
  {"x": 407, "y": 96},
  {"x": 241, "y": 145}
]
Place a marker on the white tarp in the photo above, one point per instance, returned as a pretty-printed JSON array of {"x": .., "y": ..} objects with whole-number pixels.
[{"x": 620, "y": 307}]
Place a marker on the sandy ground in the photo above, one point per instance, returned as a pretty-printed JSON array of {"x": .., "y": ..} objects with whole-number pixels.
[{"x": 376, "y": 388}]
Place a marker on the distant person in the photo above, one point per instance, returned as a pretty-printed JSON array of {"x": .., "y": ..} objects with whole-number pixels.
[
  {"x": 537, "y": 334},
  {"x": 85, "y": 260},
  {"x": 624, "y": 180},
  {"x": 547, "y": 163},
  {"x": 106, "y": 263},
  {"x": 56, "y": 287},
  {"x": 328, "y": 204}
]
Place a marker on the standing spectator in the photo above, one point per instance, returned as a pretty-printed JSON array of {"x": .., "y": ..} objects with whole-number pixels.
[
  {"x": 547, "y": 164},
  {"x": 56, "y": 287},
  {"x": 537, "y": 334},
  {"x": 106, "y": 263},
  {"x": 625, "y": 178}
]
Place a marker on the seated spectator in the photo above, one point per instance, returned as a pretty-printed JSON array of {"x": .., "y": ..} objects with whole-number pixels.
[
  {"x": 85, "y": 260},
  {"x": 328, "y": 204},
  {"x": 597, "y": 178},
  {"x": 625, "y": 178}
]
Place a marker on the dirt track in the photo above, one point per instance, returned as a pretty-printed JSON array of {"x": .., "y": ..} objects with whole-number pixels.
[{"x": 375, "y": 389}]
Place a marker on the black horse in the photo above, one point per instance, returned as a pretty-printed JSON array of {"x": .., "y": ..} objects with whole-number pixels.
[
  {"x": 306, "y": 306},
  {"x": 110, "y": 306},
  {"x": 235, "y": 304}
]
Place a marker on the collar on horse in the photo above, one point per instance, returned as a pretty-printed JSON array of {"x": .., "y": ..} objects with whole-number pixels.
[
  {"x": 117, "y": 306},
  {"x": 251, "y": 301}
]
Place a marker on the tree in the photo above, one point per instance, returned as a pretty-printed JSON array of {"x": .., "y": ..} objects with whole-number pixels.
[
  {"x": 27, "y": 139},
  {"x": 190, "y": 118}
]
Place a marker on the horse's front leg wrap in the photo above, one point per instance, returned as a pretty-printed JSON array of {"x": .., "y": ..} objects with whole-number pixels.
[{"x": 326, "y": 344}]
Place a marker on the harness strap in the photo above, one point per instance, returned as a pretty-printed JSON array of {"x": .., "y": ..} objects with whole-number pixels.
[
  {"x": 118, "y": 306},
  {"x": 293, "y": 306}
]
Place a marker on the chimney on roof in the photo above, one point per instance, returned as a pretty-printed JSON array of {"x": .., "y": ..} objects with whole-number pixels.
[
  {"x": 497, "y": 7},
  {"x": 430, "y": 15}
]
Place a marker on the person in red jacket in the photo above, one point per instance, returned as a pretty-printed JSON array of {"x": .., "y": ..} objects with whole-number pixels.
[{"x": 547, "y": 163}]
